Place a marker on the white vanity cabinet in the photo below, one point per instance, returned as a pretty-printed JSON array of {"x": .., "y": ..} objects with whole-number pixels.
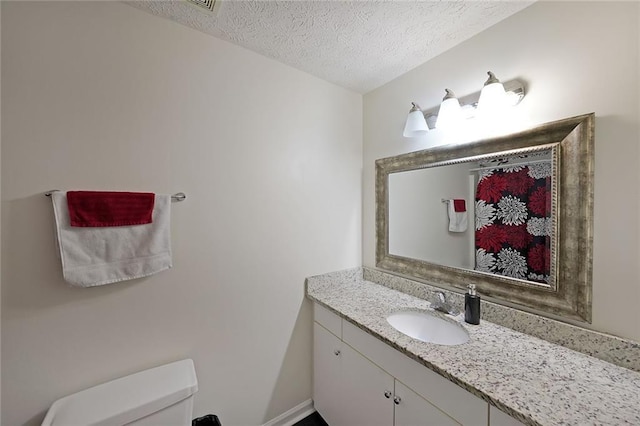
[
  {"x": 348, "y": 389},
  {"x": 327, "y": 379},
  {"x": 359, "y": 380},
  {"x": 413, "y": 410},
  {"x": 498, "y": 418}
]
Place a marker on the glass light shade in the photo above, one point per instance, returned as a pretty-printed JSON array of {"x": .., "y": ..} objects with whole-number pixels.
[
  {"x": 493, "y": 99},
  {"x": 449, "y": 114},
  {"x": 513, "y": 98},
  {"x": 416, "y": 125}
]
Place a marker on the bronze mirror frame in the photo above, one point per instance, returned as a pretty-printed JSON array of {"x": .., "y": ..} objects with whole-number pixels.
[{"x": 569, "y": 293}]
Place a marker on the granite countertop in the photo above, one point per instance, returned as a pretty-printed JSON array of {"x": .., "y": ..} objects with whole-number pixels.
[{"x": 533, "y": 380}]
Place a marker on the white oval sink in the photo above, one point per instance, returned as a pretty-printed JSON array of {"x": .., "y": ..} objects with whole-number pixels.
[{"x": 428, "y": 328}]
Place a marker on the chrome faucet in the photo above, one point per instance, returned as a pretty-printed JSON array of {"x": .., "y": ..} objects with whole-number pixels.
[{"x": 439, "y": 303}]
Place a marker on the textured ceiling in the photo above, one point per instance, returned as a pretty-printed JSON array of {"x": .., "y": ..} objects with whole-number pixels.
[{"x": 359, "y": 45}]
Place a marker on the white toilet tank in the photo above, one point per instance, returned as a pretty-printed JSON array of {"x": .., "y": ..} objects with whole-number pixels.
[{"x": 161, "y": 396}]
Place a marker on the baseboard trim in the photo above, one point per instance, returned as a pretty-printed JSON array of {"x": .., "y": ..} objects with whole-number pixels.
[{"x": 294, "y": 415}]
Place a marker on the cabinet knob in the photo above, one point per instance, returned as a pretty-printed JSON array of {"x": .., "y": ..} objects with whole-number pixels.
[
  {"x": 387, "y": 394},
  {"x": 396, "y": 400},
  {"x": 336, "y": 352}
]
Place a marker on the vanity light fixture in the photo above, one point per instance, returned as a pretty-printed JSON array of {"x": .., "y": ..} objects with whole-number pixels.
[
  {"x": 491, "y": 100},
  {"x": 450, "y": 112},
  {"x": 416, "y": 124}
]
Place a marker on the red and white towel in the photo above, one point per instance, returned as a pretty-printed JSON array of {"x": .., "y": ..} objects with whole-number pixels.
[
  {"x": 116, "y": 236},
  {"x": 457, "y": 215}
]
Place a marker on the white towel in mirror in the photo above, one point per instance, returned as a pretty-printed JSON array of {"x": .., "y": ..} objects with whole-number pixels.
[{"x": 457, "y": 219}]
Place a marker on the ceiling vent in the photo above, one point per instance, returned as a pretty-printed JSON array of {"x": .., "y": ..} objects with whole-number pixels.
[{"x": 205, "y": 4}]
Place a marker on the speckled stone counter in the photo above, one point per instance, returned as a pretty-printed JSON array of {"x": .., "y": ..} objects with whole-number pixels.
[
  {"x": 533, "y": 380},
  {"x": 613, "y": 349}
]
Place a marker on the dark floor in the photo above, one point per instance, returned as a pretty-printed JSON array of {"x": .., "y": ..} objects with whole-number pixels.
[{"x": 312, "y": 420}]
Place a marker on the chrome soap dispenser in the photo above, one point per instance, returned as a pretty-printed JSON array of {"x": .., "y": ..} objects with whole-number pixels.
[{"x": 472, "y": 305}]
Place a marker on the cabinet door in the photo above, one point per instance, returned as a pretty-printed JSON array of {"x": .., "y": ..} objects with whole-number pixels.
[
  {"x": 413, "y": 410},
  {"x": 462, "y": 406},
  {"x": 368, "y": 391},
  {"x": 348, "y": 389},
  {"x": 498, "y": 418},
  {"x": 327, "y": 390}
]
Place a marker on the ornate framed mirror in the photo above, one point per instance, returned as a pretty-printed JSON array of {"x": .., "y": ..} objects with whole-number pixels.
[{"x": 527, "y": 199}]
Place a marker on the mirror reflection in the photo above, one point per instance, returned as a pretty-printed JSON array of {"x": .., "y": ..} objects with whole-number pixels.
[{"x": 492, "y": 215}]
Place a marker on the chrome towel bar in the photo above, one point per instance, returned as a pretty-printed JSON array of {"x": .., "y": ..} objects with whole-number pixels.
[{"x": 178, "y": 196}]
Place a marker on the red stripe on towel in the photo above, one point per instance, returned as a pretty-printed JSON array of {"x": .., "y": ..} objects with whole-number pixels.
[
  {"x": 99, "y": 209},
  {"x": 459, "y": 206}
]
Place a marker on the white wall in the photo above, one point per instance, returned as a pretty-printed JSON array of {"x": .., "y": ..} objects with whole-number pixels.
[
  {"x": 99, "y": 95},
  {"x": 576, "y": 57}
]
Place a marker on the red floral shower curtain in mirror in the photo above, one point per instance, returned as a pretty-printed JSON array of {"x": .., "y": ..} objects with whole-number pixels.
[{"x": 513, "y": 221}]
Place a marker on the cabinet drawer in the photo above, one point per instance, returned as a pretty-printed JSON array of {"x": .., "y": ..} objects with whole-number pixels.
[
  {"x": 455, "y": 401},
  {"x": 327, "y": 319}
]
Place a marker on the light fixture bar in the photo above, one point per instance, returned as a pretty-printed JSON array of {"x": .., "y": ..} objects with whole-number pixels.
[{"x": 513, "y": 88}]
